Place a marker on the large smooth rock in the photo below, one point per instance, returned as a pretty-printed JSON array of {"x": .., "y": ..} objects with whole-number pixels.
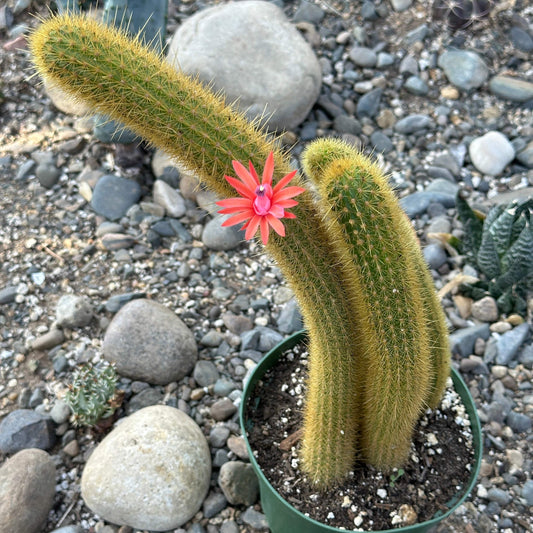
[
  {"x": 27, "y": 488},
  {"x": 491, "y": 153},
  {"x": 151, "y": 472},
  {"x": 251, "y": 52},
  {"x": 148, "y": 342},
  {"x": 465, "y": 69}
]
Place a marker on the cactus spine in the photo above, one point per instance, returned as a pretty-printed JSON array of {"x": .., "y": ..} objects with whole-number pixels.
[{"x": 118, "y": 76}]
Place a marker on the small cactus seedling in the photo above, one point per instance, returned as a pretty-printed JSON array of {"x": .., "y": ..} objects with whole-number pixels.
[
  {"x": 92, "y": 395},
  {"x": 500, "y": 246},
  {"x": 378, "y": 348}
]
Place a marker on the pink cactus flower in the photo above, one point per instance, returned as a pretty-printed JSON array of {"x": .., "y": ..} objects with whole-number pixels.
[{"x": 259, "y": 204}]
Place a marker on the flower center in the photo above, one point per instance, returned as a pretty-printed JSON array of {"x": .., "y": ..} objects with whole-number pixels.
[{"x": 262, "y": 201}]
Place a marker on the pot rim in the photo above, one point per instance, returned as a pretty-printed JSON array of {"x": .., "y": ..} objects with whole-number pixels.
[{"x": 461, "y": 388}]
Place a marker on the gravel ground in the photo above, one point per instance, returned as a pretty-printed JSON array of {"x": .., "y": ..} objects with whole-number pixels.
[{"x": 51, "y": 240}]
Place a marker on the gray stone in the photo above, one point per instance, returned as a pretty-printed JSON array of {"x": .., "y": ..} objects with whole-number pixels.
[
  {"x": 229, "y": 527},
  {"x": 148, "y": 342},
  {"x": 169, "y": 198},
  {"x": 27, "y": 489},
  {"x": 223, "y": 387},
  {"x": 24, "y": 428},
  {"x": 381, "y": 142},
  {"x": 491, "y": 153},
  {"x": 413, "y": 123},
  {"x": 60, "y": 412},
  {"x": 526, "y": 356},
  {"x": 435, "y": 256},
  {"x": 268, "y": 338},
  {"x": 118, "y": 301},
  {"x": 401, "y": 5},
  {"x": 157, "y": 451},
  {"x": 486, "y": 309},
  {"x": 525, "y": 156},
  {"x": 48, "y": 340},
  {"x": 218, "y": 436},
  {"x": 254, "y": 518},
  {"x": 212, "y": 339},
  {"x": 416, "y": 85},
  {"x": 368, "y": 104},
  {"x": 416, "y": 204},
  {"x": 408, "y": 65},
  {"x": 222, "y": 409},
  {"x": 213, "y": 504},
  {"x": 527, "y": 492},
  {"x": 218, "y": 237},
  {"x": 464, "y": 69},
  {"x": 308, "y": 12},
  {"x": 418, "y": 34},
  {"x": 510, "y": 342},
  {"x": 462, "y": 341},
  {"x": 518, "y": 422},
  {"x": 363, "y": 57},
  {"x": 145, "y": 398},
  {"x": 68, "y": 529},
  {"x": 384, "y": 60},
  {"x": 499, "y": 496},
  {"x": 449, "y": 161},
  {"x": 346, "y": 124},
  {"x": 521, "y": 39},
  {"x": 8, "y": 294},
  {"x": 73, "y": 311},
  {"x": 47, "y": 174},
  {"x": 269, "y": 72},
  {"x": 290, "y": 318},
  {"x": 239, "y": 483},
  {"x": 510, "y": 88},
  {"x": 114, "y": 195},
  {"x": 205, "y": 373}
]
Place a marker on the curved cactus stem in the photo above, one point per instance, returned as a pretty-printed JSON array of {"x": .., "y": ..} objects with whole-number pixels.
[{"x": 118, "y": 76}]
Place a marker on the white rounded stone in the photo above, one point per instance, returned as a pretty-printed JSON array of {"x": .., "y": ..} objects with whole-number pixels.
[
  {"x": 491, "y": 153},
  {"x": 151, "y": 472}
]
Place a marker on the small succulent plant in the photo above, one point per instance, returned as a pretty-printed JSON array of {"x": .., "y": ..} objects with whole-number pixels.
[
  {"x": 92, "y": 394},
  {"x": 460, "y": 14},
  {"x": 500, "y": 246}
]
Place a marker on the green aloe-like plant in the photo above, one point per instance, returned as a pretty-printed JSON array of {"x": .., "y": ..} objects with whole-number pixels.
[
  {"x": 500, "y": 246},
  {"x": 377, "y": 336},
  {"x": 92, "y": 394}
]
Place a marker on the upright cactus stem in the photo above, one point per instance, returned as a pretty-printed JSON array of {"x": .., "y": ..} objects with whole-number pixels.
[{"x": 352, "y": 258}]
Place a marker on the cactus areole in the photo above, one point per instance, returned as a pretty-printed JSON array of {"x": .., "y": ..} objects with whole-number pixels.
[{"x": 377, "y": 336}]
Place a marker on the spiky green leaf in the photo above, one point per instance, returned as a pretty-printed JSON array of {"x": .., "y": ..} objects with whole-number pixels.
[
  {"x": 487, "y": 257},
  {"x": 472, "y": 225}
]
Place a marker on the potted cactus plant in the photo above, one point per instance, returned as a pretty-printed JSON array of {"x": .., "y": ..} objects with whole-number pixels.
[{"x": 377, "y": 337}]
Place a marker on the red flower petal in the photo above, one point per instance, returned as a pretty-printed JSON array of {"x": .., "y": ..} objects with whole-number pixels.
[
  {"x": 245, "y": 176},
  {"x": 241, "y": 187},
  {"x": 276, "y": 224},
  {"x": 241, "y": 203},
  {"x": 265, "y": 229},
  {"x": 283, "y": 181},
  {"x": 268, "y": 170},
  {"x": 251, "y": 227},
  {"x": 236, "y": 219}
]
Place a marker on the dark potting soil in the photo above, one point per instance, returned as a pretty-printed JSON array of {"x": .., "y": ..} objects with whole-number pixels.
[{"x": 369, "y": 500}]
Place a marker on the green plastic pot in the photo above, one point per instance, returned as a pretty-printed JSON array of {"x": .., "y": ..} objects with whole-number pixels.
[{"x": 283, "y": 517}]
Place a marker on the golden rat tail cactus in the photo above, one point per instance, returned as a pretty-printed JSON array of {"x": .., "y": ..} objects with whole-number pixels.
[{"x": 351, "y": 257}]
